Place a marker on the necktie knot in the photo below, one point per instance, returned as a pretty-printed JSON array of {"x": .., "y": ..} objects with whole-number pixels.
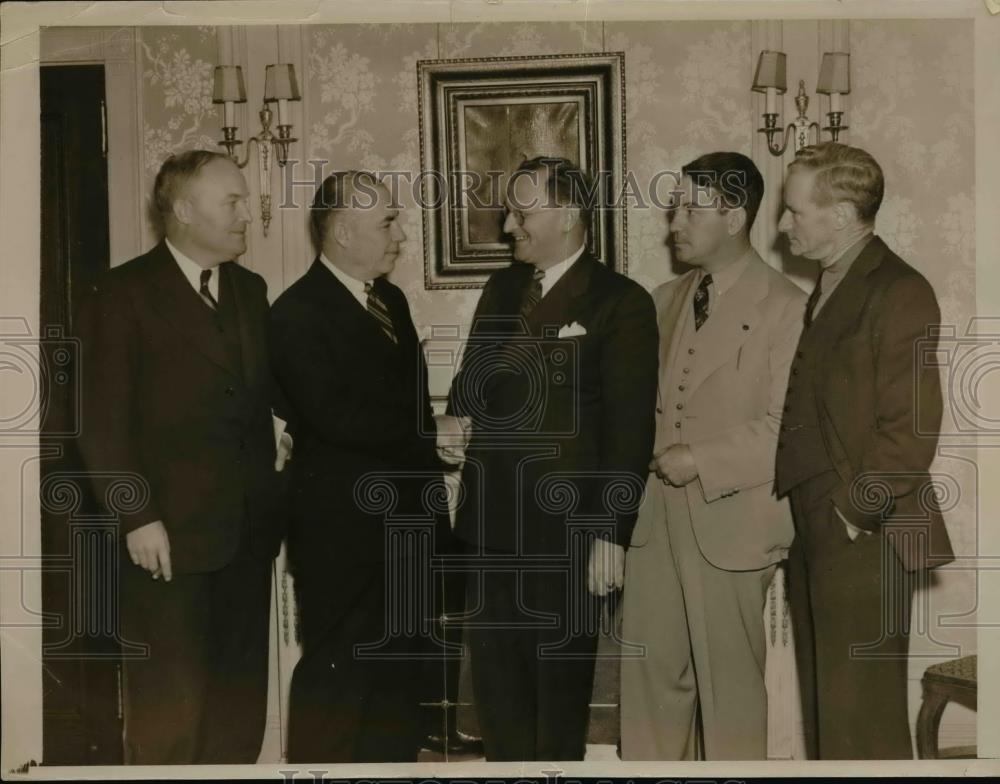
[
  {"x": 701, "y": 301},
  {"x": 205, "y": 291},
  {"x": 533, "y": 295}
]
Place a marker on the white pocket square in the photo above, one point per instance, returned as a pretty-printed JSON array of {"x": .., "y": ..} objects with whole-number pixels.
[{"x": 572, "y": 330}]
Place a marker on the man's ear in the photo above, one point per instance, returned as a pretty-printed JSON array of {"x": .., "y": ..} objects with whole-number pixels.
[
  {"x": 182, "y": 210},
  {"x": 571, "y": 217},
  {"x": 735, "y": 220},
  {"x": 844, "y": 214},
  {"x": 340, "y": 231}
]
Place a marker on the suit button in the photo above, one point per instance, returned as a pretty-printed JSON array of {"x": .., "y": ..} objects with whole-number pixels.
[
  {"x": 690, "y": 351},
  {"x": 680, "y": 406},
  {"x": 686, "y": 370},
  {"x": 677, "y": 424},
  {"x": 681, "y": 388},
  {"x": 230, "y": 391},
  {"x": 659, "y": 410},
  {"x": 795, "y": 371}
]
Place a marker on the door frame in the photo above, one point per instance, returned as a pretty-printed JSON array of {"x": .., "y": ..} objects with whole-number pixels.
[{"x": 115, "y": 49}]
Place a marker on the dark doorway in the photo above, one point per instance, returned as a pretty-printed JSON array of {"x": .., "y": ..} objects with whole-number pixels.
[{"x": 80, "y": 705}]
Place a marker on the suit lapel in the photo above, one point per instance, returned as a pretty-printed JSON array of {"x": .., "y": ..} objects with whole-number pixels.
[
  {"x": 671, "y": 323},
  {"x": 729, "y": 326},
  {"x": 351, "y": 316},
  {"x": 565, "y": 301},
  {"x": 241, "y": 305},
  {"x": 843, "y": 309},
  {"x": 180, "y": 305}
]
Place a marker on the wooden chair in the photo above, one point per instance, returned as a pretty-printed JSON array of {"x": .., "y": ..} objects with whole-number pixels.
[{"x": 949, "y": 681}]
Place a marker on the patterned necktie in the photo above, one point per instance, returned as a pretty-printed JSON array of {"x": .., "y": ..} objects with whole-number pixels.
[
  {"x": 533, "y": 295},
  {"x": 381, "y": 313},
  {"x": 701, "y": 302},
  {"x": 206, "y": 294},
  {"x": 813, "y": 299}
]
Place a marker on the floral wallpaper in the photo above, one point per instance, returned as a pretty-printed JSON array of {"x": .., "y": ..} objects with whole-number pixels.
[
  {"x": 684, "y": 90},
  {"x": 687, "y": 92},
  {"x": 176, "y": 67}
]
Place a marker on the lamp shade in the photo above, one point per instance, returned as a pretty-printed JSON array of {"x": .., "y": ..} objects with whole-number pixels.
[
  {"x": 770, "y": 72},
  {"x": 834, "y": 73},
  {"x": 229, "y": 84},
  {"x": 280, "y": 83}
]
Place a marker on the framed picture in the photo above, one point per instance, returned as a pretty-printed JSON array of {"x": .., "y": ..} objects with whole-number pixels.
[{"x": 480, "y": 118}]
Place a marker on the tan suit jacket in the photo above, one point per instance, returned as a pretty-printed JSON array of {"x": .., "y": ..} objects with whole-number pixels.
[{"x": 735, "y": 390}]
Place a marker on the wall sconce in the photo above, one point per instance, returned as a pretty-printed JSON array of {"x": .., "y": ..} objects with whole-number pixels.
[
  {"x": 280, "y": 87},
  {"x": 834, "y": 80}
]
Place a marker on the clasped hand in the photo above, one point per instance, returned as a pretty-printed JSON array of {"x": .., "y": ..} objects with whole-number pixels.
[
  {"x": 675, "y": 465},
  {"x": 452, "y": 438}
]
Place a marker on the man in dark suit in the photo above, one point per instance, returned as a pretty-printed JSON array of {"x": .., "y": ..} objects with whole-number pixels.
[
  {"x": 177, "y": 390},
  {"x": 559, "y": 380},
  {"x": 858, "y": 435},
  {"x": 347, "y": 356}
]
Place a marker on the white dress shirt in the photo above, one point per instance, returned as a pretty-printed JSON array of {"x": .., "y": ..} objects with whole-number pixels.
[
  {"x": 556, "y": 271},
  {"x": 724, "y": 280},
  {"x": 355, "y": 286},
  {"x": 192, "y": 271}
]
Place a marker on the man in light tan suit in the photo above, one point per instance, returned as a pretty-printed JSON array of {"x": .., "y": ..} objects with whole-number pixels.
[{"x": 710, "y": 530}]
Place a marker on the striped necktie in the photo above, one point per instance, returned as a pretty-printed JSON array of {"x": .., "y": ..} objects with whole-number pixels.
[
  {"x": 701, "y": 302},
  {"x": 379, "y": 310},
  {"x": 206, "y": 293},
  {"x": 533, "y": 294}
]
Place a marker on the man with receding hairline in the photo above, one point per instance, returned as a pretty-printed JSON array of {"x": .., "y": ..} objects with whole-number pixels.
[
  {"x": 859, "y": 432},
  {"x": 556, "y": 448},
  {"x": 177, "y": 390},
  {"x": 347, "y": 356}
]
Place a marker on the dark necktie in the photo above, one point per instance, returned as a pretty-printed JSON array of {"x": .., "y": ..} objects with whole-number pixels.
[
  {"x": 533, "y": 295},
  {"x": 381, "y": 313},
  {"x": 813, "y": 299},
  {"x": 701, "y": 302},
  {"x": 206, "y": 294}
]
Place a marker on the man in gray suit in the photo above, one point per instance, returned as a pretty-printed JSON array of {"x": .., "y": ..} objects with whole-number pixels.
[{"x": 710, "y": 530}]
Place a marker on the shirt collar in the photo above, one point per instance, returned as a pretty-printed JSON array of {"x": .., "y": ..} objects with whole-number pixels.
[
  {"x": 725, "y": 279},
  {"x": 556, "y": 271},
  {"x": 843, "y": 261},
  {"x": 355, "y": 286},
  {"x": 192, "y": 269}
]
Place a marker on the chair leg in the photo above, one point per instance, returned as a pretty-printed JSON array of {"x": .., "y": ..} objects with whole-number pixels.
[{"x": 928, "y": 722}]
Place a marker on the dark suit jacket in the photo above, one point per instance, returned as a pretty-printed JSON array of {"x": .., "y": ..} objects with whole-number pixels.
[
  {"x": 163, "y": 399},
  {"x": 880, "y": 402},
  {"x": 361, "y": 405},
  {"x": 562, "y": 426}
]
